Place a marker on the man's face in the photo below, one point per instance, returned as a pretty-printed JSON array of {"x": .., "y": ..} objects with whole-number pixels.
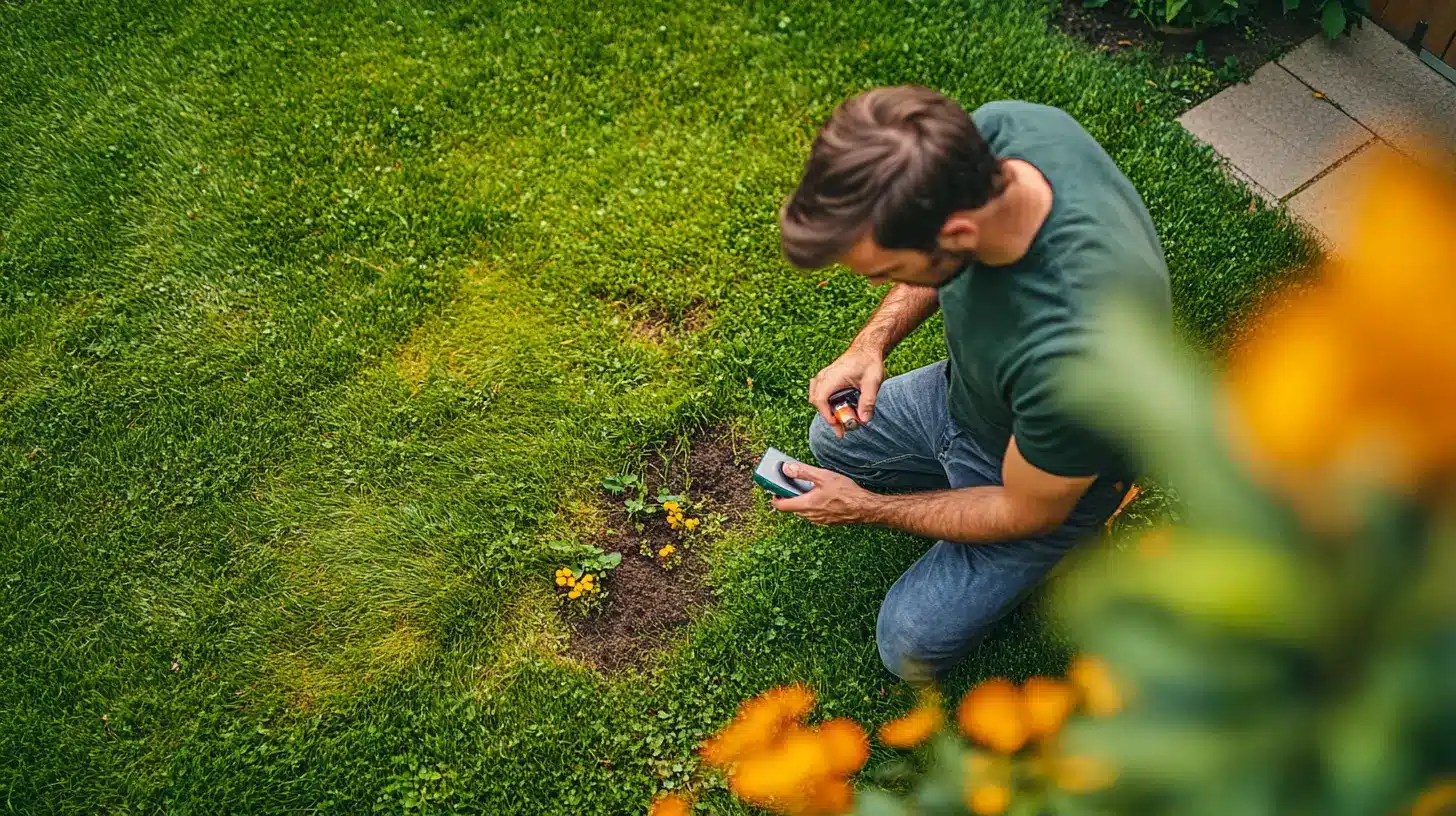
[{"x": 882, "y": 266}]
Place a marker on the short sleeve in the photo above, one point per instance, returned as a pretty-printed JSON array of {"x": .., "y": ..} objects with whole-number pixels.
[{"x": 1048, "y": 436}]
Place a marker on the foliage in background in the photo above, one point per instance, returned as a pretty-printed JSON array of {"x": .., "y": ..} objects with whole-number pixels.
[
  {"x": 1335, "y": 15},
  {"x": 1289, "y": 648}
]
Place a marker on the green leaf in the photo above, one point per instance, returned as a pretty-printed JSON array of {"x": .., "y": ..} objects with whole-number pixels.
[
  {"x": 878, "y": 803},
  {"x": 610, "y": 560},
  {"x": 1333, "y": 18},
  {"x": 1174, "y": 8},
  {"x": 1290, "y": 5},
  {"x": 663, "y": 498}
]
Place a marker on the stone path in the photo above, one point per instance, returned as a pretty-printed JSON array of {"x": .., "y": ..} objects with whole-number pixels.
[{"x": 1306, "y": 126}]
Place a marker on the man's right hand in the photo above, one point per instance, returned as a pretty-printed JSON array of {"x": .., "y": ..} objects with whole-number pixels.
[{"x": 860, "y": 368}]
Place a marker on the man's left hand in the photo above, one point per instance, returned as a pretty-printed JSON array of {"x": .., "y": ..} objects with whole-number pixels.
[{"x": 835, "y": 499}]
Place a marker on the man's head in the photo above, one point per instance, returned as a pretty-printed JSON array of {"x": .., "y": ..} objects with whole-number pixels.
[{"x": 890, "y": 189}]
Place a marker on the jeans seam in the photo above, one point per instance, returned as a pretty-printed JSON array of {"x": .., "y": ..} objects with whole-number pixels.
[{"x": 891, "y": 460}]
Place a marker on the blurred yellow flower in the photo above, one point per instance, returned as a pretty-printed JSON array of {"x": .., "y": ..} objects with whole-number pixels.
[
  {"x": 671, "y": 507},
  {"x": 1048, "y": 702},
  {"x": 775, "y": 761},
  {"x": 1358, "y": 373},
  {"x": 666, "y": 551},
  {"x": 994, "y": 715},
  {"x": 574, "y": 594},
  {"x": 988, "y": 800},
  {"x": 691, "y": 524},
  {"x": 670, "y": 805},
  {"x": 915, "y": 727},
  {"x": 1100, "y": 693},
  {"x": 759, "y": 722},
  {"x": 560, "y": 580}
]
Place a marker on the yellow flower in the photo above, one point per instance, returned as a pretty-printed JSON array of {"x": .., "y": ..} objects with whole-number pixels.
[
  {"x": 1357, "y": 374},
  {"x": 574, "y": 594},
  {"x": 988, "y": 800},
  {"x": 666, "y": 551},
  {"x": 1099, "y": 691},
  {"x": 672, "y": 522},
  {"x": 560, "y": 581},
  {"x": 588, "y": 579},
  {"x": 915, "y": 727},
  {"x": 669, "y": 805},
  {"x": 1048, "y": 702},
  {"x": 691, "y": 524},
  {"x": 994, "y": 715},
  {"x": 671, "y": 507}
]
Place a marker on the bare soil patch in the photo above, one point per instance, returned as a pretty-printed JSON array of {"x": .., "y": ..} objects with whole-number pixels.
[
  {"x": 651, "y": 323},
  {"x": 648, "y": 605},
  {"x": 1267, "y": 34}
]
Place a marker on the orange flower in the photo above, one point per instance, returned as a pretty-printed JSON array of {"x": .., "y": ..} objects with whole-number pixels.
[
  {"x": 805, "y": 771},
  {"x": 1048, "y": 702},
  {"x": 1440, "y": 800},
  {"x": 1082, "y": 774},
  {"x": 988, "y": 800},
  {"x": 846, "y": 745},
  {"x": 669, "y": 805},
  {"x": 760, "y": 721},
  {"x": 1099, "y": 691},
  {"x": 915, "y": 727},
  {"x": 994, "y": 715},
  {"x": 1358, "y": 373},
  {"x": 775, "y": 761}
]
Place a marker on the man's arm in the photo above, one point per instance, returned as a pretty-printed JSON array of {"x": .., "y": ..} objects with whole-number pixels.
[
  {"x": 862, "y": 365},
  {"x": 1030, "y": 502},
  {"x": 901, "y": 312}
]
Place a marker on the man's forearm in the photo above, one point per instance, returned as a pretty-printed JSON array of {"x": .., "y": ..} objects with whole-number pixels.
[
  {"x": 971, "y": 515},
  {"x": 902, "y": 310}
]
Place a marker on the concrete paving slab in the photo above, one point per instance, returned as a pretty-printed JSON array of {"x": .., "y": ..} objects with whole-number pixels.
[
  {"x": 1330, "y": 204},
  {"x": 1384, "y": 87},
  {"x": 1254, "y": 187},
  {"x": 1274, "y": 130}
]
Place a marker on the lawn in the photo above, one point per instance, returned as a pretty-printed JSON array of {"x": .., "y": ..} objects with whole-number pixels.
[{"x": 319, "y": 321}]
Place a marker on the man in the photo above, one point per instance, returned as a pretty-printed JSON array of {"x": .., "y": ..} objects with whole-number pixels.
[{"x": 1012, "y": 222}]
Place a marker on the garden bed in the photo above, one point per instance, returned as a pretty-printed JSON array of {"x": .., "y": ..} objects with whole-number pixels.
[
  {"x": 651, "y": 598},
  {"x": 1250, "y": 43}
]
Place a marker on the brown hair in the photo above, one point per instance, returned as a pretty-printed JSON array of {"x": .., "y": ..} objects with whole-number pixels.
[{"x": 894, "y": 161}]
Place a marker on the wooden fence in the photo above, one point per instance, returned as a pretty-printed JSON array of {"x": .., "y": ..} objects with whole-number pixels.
[{"x": 1399, "y": 17}]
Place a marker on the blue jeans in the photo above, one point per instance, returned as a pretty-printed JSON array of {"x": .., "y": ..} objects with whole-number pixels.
[{"x": 945, "y": 603}]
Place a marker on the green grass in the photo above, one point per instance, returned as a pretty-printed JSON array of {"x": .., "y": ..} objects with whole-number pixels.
[{"x": 315, "y": 328}]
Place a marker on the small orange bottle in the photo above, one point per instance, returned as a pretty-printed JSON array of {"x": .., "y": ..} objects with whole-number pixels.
[{"x": 843, "y": 403}]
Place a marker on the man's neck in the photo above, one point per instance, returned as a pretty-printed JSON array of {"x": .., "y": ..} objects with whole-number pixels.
[{"x": 1018, "y": 214}]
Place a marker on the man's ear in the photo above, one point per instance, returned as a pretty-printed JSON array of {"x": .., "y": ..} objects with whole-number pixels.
[{"x": 959, "y": 233}]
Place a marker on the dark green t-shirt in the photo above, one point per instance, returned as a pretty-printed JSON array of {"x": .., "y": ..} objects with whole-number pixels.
[{"x": 1008, "y": 328}]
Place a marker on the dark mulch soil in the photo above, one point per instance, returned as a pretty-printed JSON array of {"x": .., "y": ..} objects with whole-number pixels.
[
  {"x": 647, "y": 605},
  {"x": 1264, "y": 36}
]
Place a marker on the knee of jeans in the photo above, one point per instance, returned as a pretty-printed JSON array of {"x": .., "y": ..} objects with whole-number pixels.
[
  {"x": 823, "y": 442},
  {"x": 907, "y": 647}
]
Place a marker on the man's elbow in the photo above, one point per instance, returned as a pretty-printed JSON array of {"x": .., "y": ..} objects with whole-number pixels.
[{"x": 1039, "y": 521}]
